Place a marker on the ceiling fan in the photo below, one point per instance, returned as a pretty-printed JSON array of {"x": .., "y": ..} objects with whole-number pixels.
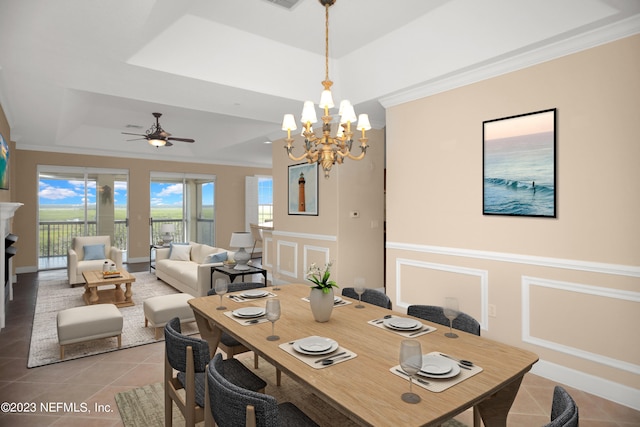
[{"x": 157, "y": 136}]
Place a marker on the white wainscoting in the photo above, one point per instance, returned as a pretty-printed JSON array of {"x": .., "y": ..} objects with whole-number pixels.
[
  {"x": 482, "y": 275},
  {"x": 529, "y": 282},
  {"x": 310, "y": 248},
  {"x": 290, "y": 270}
]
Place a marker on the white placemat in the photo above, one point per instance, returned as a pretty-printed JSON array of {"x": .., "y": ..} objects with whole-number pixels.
[
  {"x": 340, "y": 303},
  {"x": 311, "y": 359},
  {"x": 407, "y": 334},
  {"x": 237, "y": 297},
  {"x": 439, "y": 384},
  {"x": 246, "y": 321}
]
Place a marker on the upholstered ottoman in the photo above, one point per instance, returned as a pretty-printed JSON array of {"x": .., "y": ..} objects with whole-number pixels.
[
  {"x": 159, "y": 310},
  {"x": 88, "y": 323}
]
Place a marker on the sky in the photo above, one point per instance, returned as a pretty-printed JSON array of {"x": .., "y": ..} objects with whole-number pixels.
[{"x": 71, "y": 192}]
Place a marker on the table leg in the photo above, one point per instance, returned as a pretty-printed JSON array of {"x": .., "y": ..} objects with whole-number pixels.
[
  {"x": 93, "y": 299},
  {"x": 128, "y": 293},
  {"x": 208, "y": 332},
  {"x": 118, "y": 295},
  {"x": 495, "y": 409}
]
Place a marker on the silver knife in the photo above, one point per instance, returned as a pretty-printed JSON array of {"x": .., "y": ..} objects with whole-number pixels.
[
  {"x": 419, "y": 331},
  {"x": 420, "y": 380},
  {"x": 330, "y": 357}
]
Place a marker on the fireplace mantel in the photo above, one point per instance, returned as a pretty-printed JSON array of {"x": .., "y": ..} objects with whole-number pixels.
[{"x": 7, "y": 211}]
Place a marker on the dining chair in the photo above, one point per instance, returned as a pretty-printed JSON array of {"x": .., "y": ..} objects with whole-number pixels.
[
  {"x": 256, "y": 233},
  {"x": 564, "y": 411},
  {"x": 189, "y": 357},
  {"x": 371, "y": 296},
  {"x": 228, "y": 343},
  {"x": 463, "y": 322},
  {"x": 231, "y": 405},
  {"x": 435, "y": 314}
]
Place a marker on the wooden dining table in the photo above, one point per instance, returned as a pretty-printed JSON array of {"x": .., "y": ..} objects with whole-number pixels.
[{"x": 364, "y": 388}]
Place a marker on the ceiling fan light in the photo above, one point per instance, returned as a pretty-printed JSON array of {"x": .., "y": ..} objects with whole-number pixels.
[{"x": 157, "y": 142}]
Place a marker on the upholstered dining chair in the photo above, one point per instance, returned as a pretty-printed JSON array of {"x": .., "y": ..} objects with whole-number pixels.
[
  {"x": 564, "y": 411},
  {"x": 256, "y": 233},
  {"x": 88, "y": 253},
  {"x": 189, "y": 356},
  {"x": 231, "y": 405},
  {"x": 371, "y": 296},
  {"x": 463, "y": 322}
]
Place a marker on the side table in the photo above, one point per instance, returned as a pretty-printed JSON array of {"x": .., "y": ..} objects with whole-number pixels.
[{"x": 233, "y": 273}]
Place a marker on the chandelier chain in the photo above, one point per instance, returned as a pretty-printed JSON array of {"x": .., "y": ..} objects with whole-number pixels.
[{"x": 326, "y": 41}]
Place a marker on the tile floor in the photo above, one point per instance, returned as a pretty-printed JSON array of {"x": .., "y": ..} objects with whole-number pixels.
[{"x": 95, "y": 380}]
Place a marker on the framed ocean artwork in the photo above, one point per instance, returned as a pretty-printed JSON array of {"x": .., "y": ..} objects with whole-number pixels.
[
  {"x": 303, "y": 189},
  {"x": 519, "y": 165},
  {"x": 4, "y": 163}
]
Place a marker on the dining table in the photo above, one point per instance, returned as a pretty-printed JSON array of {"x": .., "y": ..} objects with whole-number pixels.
[{"x": 367, "y": 385}]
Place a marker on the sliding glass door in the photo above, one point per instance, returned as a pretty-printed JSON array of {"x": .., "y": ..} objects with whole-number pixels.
[
  {"x": 185, "y": 202},
  {"x": 79, "y": 202}
]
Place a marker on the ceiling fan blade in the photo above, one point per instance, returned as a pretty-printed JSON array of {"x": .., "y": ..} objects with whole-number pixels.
[
  {"x": 182, "y": 139},
  {"x": 136, "y": 139},
  {"x": 168, "y": 144},
  {"x": 138, "y": 134}
]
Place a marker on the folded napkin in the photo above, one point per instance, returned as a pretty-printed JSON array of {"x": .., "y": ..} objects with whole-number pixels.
[
  {"x": 312, "y": 359},
  {"x": 407, "y": 334},
  {"x": 438, "y": 384}
]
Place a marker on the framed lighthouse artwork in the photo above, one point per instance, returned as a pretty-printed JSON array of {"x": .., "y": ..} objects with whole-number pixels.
[{"x": 303, "y": 189}]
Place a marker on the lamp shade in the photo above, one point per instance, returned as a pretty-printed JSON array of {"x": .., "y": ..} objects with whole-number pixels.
[
  {"x": 289, "y": 122},
  {"x": 363, "y": 122},
  {"x": 241, "y": 239},
  {"x": 157, "y": 142},
  {"x": 167, "y": 228},
  {"x": 309, "y": 113}
]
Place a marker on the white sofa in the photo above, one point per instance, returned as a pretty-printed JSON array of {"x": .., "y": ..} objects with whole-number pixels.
[
  {"x": 191, "y": 275},
  {"x": 77, "y": 262}
]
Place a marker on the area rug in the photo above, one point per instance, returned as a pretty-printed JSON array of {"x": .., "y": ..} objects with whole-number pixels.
[
  {"x": 144, "y": 406},
  {"x": 57, "y": 295}
]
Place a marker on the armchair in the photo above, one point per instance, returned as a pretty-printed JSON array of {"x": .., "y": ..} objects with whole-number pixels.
[{"x": 89, "y": 253}]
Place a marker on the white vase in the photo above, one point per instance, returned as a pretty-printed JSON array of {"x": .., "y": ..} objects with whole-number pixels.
[{"x": 321, "y": 304}]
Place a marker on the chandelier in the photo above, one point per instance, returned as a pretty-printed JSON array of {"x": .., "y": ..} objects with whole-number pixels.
[{"x": 326, "y": 149}]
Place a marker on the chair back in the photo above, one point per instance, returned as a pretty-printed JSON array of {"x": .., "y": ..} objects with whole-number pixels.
[
  {"x": 370, "y": 296},
  {"x": 256, "y": 232},
  {"x": 564, "y": 411},
  {"x": 228, "y": 402},
  {"x": 79, "y": 242},
  {"x": 435, "y": 314},
  {"x": 176, "y": 348}
]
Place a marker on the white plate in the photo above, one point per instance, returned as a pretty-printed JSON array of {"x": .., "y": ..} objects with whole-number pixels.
[
  {"x": 315, "y": 345},
  {"x": 336, "y": 300},
  {"x": 256, "y": 293},
  {"x": 402, "y": 324},
  {"x": 455, "y": 369},
  {"x": 436, "y": 365},
  {"x": 249, "y": 312}
]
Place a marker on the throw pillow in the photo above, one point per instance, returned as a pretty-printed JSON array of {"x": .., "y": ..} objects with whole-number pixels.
[
  {"x": 93, "y": 252},
  {"x": 219, "y": 257},
  {"x": 171, "y": 245},
  {"x": 180, "y": 252}
]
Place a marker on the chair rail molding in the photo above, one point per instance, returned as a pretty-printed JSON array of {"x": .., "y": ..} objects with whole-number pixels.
[{"x": 567, "y": 264}]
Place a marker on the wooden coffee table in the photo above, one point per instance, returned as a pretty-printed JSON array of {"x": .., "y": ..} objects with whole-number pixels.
[{"x": 115, "y": 296}]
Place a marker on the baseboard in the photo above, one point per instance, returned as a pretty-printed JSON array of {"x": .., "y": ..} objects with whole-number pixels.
[
  {"x": 28, "y": 269},
  {"x": 615, "y": 392}
]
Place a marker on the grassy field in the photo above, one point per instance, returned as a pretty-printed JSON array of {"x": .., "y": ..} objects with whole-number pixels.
[{"x": 71, "y": 213}]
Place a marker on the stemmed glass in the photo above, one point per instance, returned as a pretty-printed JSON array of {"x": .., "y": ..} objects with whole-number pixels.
[
  {"x": 275, "y": 276},
  {"x": 451, "y": 311},
  {"x": 411, "y": 363},
  {"x": 221, "y": 288},
  {"x": 273, "y": 314},
  {"x": 359, "y": 289}
]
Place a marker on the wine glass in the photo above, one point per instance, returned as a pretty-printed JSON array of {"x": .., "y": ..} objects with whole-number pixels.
[
  {"x": 221, "y": 288},
  {"x": 275, "y": 276},
  {"x": 359, "y": 289},
  {"x": 273, "y": 314},
  {"x": 411, "y": 363},
  {"x": 451, "y": 311}
]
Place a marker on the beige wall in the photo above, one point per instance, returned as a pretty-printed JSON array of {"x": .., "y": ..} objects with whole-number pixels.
[
  {"x": 230, "y": 189},
  {"x": 566, "y": 288},
  {"x": 356, "y": 245}
]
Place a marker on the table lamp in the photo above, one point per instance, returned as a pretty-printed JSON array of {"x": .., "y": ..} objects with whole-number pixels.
[
  {"x": 167, "y": 229},
  {"x": 241, "y": 240}
]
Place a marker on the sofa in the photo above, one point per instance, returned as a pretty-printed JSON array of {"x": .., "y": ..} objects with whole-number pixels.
[
  {"x": 187, "y": 266},
  {"x": 89, "y": 253}
]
